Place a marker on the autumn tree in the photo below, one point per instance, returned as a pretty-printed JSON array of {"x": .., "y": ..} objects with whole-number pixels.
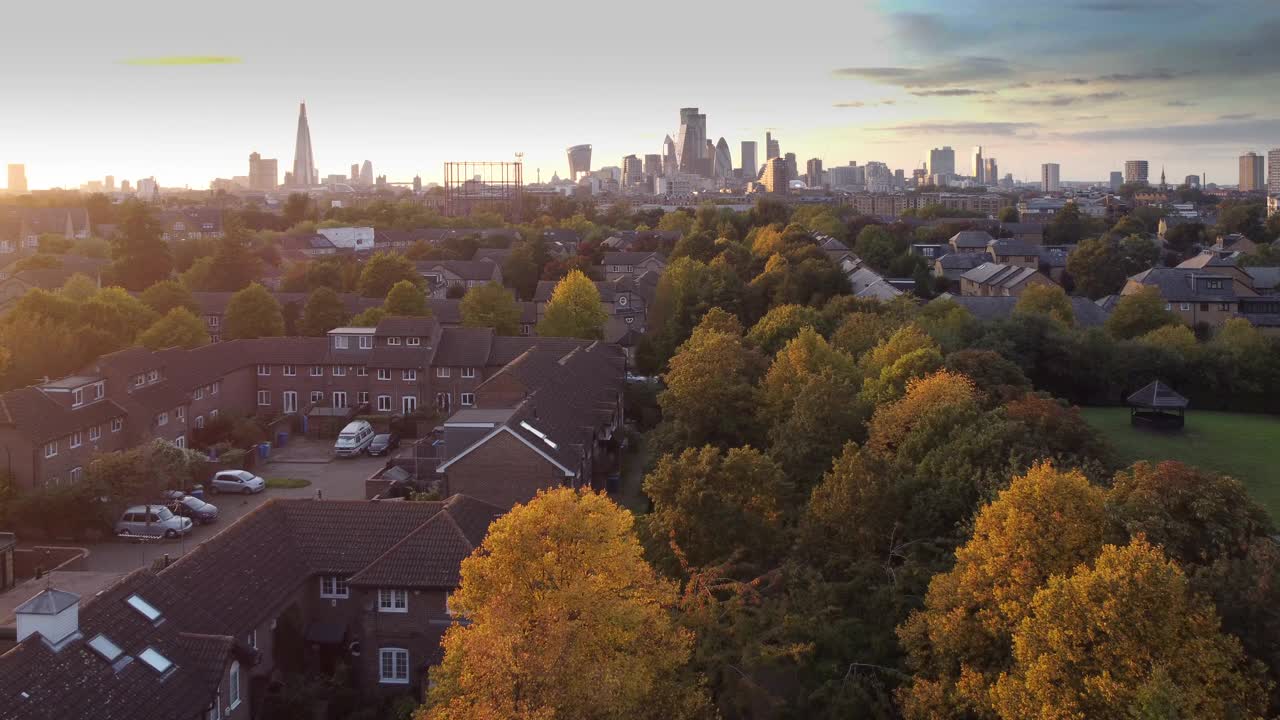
[
  {"x": 708, "y": 503},
  {"x": 252, "y": 313},
  {"x": 1046, "y": 523},
  {"x": 1126, "y": 638},
  {"x": 1139, "y": 313},
  {"x": 178, "y": 328},
  {"x": 1177, "y": 339},
  {"x": 564, "y": 619},
  {"x": 1050, "y": 300},
  {"x": 139, "y": 256},
  {"x": 941, "y": 393},
  {"x": 574, "y": 310},
  {"x": 491, "y": 305},
  {"x": 781, "y": 324},
  {"x": 859, "y": 332},
  {"x": 117, "y": 313},
  {"x": 323, "y": 312},
  {"x": 78, "y": 288},
  {"x": 406, "y": 298},
  {"x": 167, "y": 295},
  {"x": 382, "y": 271}
]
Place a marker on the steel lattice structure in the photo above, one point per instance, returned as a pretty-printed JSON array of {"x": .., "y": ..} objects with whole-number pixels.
[{"x": 472, "y": 186}]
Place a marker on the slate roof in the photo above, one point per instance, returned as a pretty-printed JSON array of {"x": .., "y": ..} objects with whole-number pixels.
[
  {"x": 465, "y": 269},
  {"x": 1186, "y": 284},
  {"x": 998, "y": 274},
  {"x": 1157, "y": 395},
  {"x": 1013, "y": 247},
  {"x": 1266, "y": 280},
  {"x": 630, "y": 258},
  {"x": 464, "y": 347},
  {"x": 404, "y": 326},
  {"x": 955, "y": 264},
  {"x": 498, "y": 256},
  {"x": 40, "y": 418},
  {"x": 990, "y": 308},
  {"x": 970, "y": 239}
]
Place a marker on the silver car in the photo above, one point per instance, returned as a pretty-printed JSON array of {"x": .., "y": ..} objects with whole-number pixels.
[
  {"x": 237, "y": 481},
  {"x": 151, "y": 521}
]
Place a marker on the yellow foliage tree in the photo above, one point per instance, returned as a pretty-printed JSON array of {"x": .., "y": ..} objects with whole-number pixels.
[
  {"x": 566, "y": 620},
  {"x": 1049, "y": 300},
  {"x": 891, "y": 423},
  {"x": 574, "y": 310},
  {"x": 1124, "y": 639},
  {"x": 1177, "y": 339}
]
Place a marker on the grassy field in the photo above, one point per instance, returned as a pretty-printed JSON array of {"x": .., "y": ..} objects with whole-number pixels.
[{"x": 1244, "y": 446}]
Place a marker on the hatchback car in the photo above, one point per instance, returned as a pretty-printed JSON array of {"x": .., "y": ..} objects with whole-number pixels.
[
  {"x": 237, "y": 481},
  {"x": 384, "y": 443},
  {"x": 151, "y": 521},
  {"x": 195, "y": 508}
]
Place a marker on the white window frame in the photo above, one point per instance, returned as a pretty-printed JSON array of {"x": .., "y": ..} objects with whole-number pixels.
[
  {"x": 153, "y": 376},
  {"x": 467, "y": 399},
  {"x": 384, "y": 374},
  {"x": 409, "y": 375},
  {"x": 180, "y": 442},
  {"x": 334, "y": 587},
  {"x": 1184, "y": 307},
  {"x": 468, "y": 372},
  {"x": 393, "y": 600},
  {"x": 393, "y": 340},
  {"x": 289, "y": 370},
  {"x": 399, "y": 660},
  {"x": 362, "y": 371},
  {"x": 251, "y": 638},
  {"x": 317, "y": 396},
  {"x": 317, "y": 371},
  {"x": 363, "y": 397},
  {"x": 199, "y": 422},
  {"x": 413, "y": 341},
  {"x": 233, "y": 686},
  {"x": 340, "y": 342},
  {"x": 77, "y": 397},
  {"x": 51, "y": 449},
  {"x": 213, "y": 389},
  {"x": 366, "y": 342},
  {"x": 264, "y": 370},
  {"x": 339, "y": 370},
  {"x": 76, "y": 474},
  {"x": 199, "y": 393},
  {"x": 117, "y": 424},
  {"x": 162, "y": 419},
  {"x": 95, "y": 433},
  {"x": 264, "y": 398},
  {"x": 442, "y": 372},
  {"x": 180, "y": 413},
  {"x": 406, "y": 401},
  {"x": 99, "y": 390},
  {"x": 339, "y": 399},
  {"x": 77, "y": 439},
  {"x": 384, "y": 403}
]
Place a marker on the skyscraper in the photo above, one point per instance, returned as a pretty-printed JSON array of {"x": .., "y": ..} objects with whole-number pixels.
[
  {"x": 749, "y": 167},
  {"x": 366, "y": 173},
  {"x": 723, "y": 165},
  {"x": 1049, "y": 177},
  {"x": 304, "y": 163},
  {"x": 1135, "y": 171},
  {"x": 579, "y": 161},
  {"x": 263, "y": 174},
  {"x": 1252, "y": 172},
  {"x": 775, "y": 179},
  {"x": 793, "y": 170},
  {"x": 652, "y": 165},
  {"x": 1273, "y": 171},
  {"x": 942, "y": 161},
  {"x": 632, "y": 171},
  {"x": 991, "y": 173},
  {"x": 813, "y": 172},
  {"x": 670, "y": 164},
  {"x": 1192, "y": 181},
  {"x": 355, "y": 173},
  {"x": 17, "y": 178},
  {"x": 110, "y": 182},
  {"x": 1117, "y": 179},
  {"x": 771, "y": 148},
  {"x": 979, "y": 169},
  {"x": 691, "y": 142}
]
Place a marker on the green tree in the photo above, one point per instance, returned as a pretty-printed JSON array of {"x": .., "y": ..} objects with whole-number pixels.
[
  {"x": 1177, "y": 339},
  {"x": 876, "y": 246},
  {"x": 139, "y": 257},
  {"x": 565, "y": 619},
  {"x": 114, "y": 311},
  {"x": 369, "y": 318},
  {"x": 178, "y": 328},
  {"x": 323, "y": 312},
  {"x": 297, "y": 208},
  {"x": 1049, "y": 300},
  {"x": 406, "y": 298},
  {"x": 78, "y": 288},
  {"x": 384, "y": 270},
  {"x": 781, "y": 324},
  {"x": 233, "y": 266},
  {"x": 1008, "y": 214},
  {"x": 491, "y": 305},
  {"x": 1139, "y": 313},
  {"x": 253, "y": 313},
  {"x": 574, "y": 310},
  {"x": 1096, "y": 267},
  {"x": 1068, "y": 227},
  {"x": 167, "y": 295},
  {"x": 1138, "y": 253}
]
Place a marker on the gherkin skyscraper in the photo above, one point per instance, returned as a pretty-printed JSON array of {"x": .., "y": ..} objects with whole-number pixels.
[{"x": 304, "y": 163}]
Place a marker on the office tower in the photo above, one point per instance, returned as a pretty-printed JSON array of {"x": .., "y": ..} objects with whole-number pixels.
[
  {"x": 263, "y": 174},
  {"x": 652, "y": 165},
  {"x": 1191, "y": 181},
  {"x": 771, "y": 148},
  {"x": 1049, "y": 177},
  {"x": 990, "y": 173},
  {"x": 111, "y": 183},
  {"x": 877, "y": 177},
  {"x": 17, "y": 178},
  {"x": 775, "y": 179},
  {"x": 148, "y": 189},
  {"x": 942, "y": 161},
  {"x": 1117, "y": 179},
  {"x": 1273, "y": 171},
  {"x": 366, "y": 173},
  {"x": 793, "y": 171},
  {"x": 813, "y": 172},
  {"x": 632, "y": 171},
  {"x": 899, "y": 178},
  {"x": 579, "y": 161},
  {"x": 417, "y": 183},
  {"x": 723, "y": 165},
  {"x": 691, "y": 141},
  {"x": 1135, "y": 171},
  {"x": 124, "y": 186},
  {"x": 749, "y": 167},
  {"x": 920, "y": 177},
  {"x": 840, "y": 176},
  {"x": 304, "y": 163},
  {"x": 1252, "y": 172},
  {"x": 355, "y": 173},
  {"x": 979, "y": 168},
  {"x": 670, "y": 165}
]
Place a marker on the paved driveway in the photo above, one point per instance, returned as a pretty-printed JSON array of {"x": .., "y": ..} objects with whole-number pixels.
[{"x": 333, "y": 480}]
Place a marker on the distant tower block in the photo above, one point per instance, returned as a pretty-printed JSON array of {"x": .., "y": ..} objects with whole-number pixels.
[
  {"x": 579, "y": 161},
  {"x": 304, "y": 163}
]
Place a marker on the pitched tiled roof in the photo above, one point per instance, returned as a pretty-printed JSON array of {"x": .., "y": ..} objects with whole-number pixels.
[
  {"x": 970, "y": 239},
  {"x": 1265, "y": 279},
  {"x": 464, "y": 347},
  {"x": 429, "y": 557},
  {"x": 404, "y": 326},
  {"x": 1157, "y": 395},
  {"x": 989, "y": 308},
  {"x": 493, "y": 255},
  {"x": 1187, "y": 284},
  {"x": 630, "y": 258},
  {"x": 465, "y": 269},
  {"x": 40, "y": 418}
]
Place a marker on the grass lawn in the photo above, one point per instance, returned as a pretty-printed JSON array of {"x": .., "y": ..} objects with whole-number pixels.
[
  {"x": 287, "y": 483},
  {"x": 1245, "y": 446}
]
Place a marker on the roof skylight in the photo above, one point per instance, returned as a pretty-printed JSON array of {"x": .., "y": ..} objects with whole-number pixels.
[
  {"x": 148, "y": 610},
  {"x": 104, "y": 647},
  {"x": 158, "y": 662}
]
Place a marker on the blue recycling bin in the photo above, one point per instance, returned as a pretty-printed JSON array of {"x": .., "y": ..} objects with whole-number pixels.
[
  {"x": 282, "y": 438},
  {"x": 197, "y": 492},
  {"x": 264, "y": 450}
]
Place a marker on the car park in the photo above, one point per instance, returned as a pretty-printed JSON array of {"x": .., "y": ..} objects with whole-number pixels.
[
  {"x": 383, "y": 443},
  {"x": 195, "y": 508},
  {"x": 153, "y": 521},
  {"x": 237, "y": 481}
]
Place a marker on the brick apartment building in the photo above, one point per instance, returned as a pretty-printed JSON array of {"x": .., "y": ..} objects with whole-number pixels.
[{"x": 296, "y": 586}]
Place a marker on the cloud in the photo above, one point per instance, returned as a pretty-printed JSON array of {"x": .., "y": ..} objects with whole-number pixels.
[
  {"x": 1237, "y": 116},
  {"x": 1005, "y": 129},
  {"x": 951, "y": 92},
  {"x": 1064, "y": 100},
  {"x": 926, "y": 30},
  {"x": 861, "y": 103},
  {"x": 1114, "y": 5},
  {"x": 960, "y": 71},
  {"x": 1180, "y": 103},
  {"x": 1259, "y": 131},
  {"x": 184, "y": 60},
  {"x": 1154, "y": 75}
]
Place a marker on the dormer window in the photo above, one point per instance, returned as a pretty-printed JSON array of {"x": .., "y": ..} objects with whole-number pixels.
[
  {"x": 99, "y": 390},
  {"x": 139, "y": 380},
  {"x": 340, "y": 342},
  {"x": 393, "y": 341},
  {"x": 413, "y": 341},
  {"x": 153, "y": 376},
  {"x": 366, "y": 342},
  {"x": 1215, "y": 284},
  {"x": 77, "y": 397}
]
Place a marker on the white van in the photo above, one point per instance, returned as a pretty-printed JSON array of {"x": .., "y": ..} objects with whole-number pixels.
[{"x": 354, "y": 438}]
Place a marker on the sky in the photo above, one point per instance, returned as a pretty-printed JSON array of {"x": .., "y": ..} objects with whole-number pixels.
[{"x": 91, "y": 89}]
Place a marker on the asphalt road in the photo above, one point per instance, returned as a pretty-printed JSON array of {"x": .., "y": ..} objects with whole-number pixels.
[{"x": 334, "y": 480}]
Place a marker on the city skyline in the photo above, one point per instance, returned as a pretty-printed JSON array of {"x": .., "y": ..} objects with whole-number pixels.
[{"x": 1189, "y": 93}]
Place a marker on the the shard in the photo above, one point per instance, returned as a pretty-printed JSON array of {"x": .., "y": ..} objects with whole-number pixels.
[{"x": 304, "y": 163}]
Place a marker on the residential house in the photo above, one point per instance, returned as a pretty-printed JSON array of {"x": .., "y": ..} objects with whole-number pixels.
[
  {"x": 1234, "y": 243},
  {"x": 349, "y": 239},
  {"x": 13, "y": 285},
  {"x": 867, "y": 283},
  {"x": 21, "y": 228},
  {"x": 298, "y": 248},
  {"x": 192, "y": 223},
  {"x": 952, "y": 265},
  {"x": 457, "y": 275},
  {"x": 988, "y": 308},
  {"x": 293, "y": 586},
  {"x": 1012, "y": 252},
  {"x": 1024, "y": 232},
  {"x": 626, "y": 302},
  {"x": 970, "y": 241},
  {"x": 839, "y": 253},
  {"x": 995, "y": 279},
  {"x": 1194, "y": 295},
  {"x": 1214, "y": 263},
  {"x": 632, "y": 264}
]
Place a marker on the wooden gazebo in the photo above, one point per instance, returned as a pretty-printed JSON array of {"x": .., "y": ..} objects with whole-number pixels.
[{"x": 1157, "y": 406}]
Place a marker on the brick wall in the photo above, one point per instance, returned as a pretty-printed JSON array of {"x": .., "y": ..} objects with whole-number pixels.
[
  {"x": 418, "y": 630},
  {"x": 503, "y": 472}
]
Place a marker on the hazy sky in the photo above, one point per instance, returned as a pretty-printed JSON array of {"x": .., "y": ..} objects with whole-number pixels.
[{"x": 1188, "y": 84}]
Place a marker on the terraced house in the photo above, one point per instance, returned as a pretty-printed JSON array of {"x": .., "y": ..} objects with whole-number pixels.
[{"x": 48, "y": 432}]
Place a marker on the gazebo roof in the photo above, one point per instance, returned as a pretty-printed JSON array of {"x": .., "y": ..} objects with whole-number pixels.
[{"x": 1159, "y": 396}]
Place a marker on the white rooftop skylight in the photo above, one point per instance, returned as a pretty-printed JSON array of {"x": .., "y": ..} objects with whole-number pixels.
[
  {"x": 148, "y": 610},
  {"x": 104, "y": 647},
  {"x": 158, "y": 662}
]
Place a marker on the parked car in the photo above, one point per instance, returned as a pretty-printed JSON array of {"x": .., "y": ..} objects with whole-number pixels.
[
  {"x": 151, "y": 521},
  {"x": 195, "y": 508},
  {"x": 354, "y": 438},
  {"x": 384, "y": 443},
  {"x": 237, "y": 481}
]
